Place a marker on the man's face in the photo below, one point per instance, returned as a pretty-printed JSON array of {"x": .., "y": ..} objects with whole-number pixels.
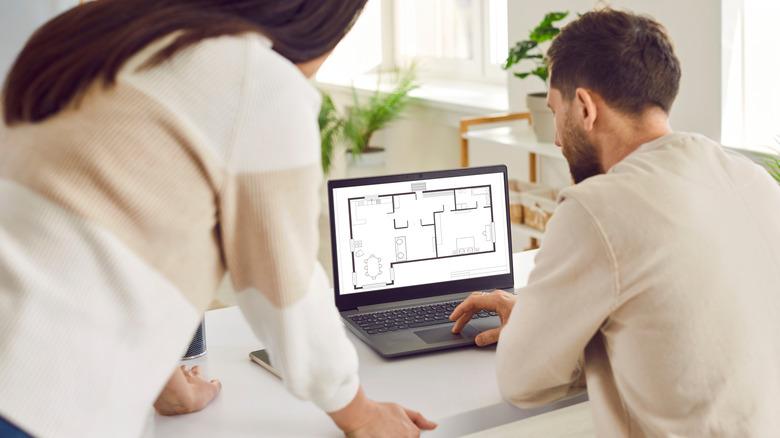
[{"x": 570, "y": 136}]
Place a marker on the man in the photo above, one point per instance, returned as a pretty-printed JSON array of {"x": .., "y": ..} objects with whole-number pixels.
[{"x": 658, "y": 279}]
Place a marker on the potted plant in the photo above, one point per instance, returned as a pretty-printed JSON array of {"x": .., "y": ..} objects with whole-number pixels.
[
  {"x": 530, "y": 50},
  {"x": 356, "y": 128}
]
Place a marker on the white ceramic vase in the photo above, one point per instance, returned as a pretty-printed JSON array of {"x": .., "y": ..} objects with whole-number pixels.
[
  {"x": 369, "y": 163},
  {"x": 542, "y": 119}
]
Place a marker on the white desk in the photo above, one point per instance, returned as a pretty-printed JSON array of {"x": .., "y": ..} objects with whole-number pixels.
[{"x": 456, "y": 388}]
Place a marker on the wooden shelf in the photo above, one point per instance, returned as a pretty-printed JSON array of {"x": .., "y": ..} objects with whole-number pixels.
[
  {"x": 521, "y": 137},
  {"x": 515, "y": 136},
  {"x": 527, "y": 231}
]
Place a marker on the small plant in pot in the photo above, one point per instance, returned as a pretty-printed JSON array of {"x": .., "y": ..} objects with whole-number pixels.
[
  {"x": 530, "y": 51},
  {"x": 356, "y": 128}
]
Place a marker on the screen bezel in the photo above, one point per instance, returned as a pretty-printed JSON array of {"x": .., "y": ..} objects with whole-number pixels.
[{"x": 354, "y": 300}]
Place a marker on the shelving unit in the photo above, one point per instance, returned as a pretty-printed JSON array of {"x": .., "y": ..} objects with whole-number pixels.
[
  {"x": 521, "y": 137},
  {"x": 516, "y": 136}
]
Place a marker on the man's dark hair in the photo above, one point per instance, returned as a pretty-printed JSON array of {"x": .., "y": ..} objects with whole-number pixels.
[
  {"x": 626, "y": 58},
  {"x": 92, "y": 41}
]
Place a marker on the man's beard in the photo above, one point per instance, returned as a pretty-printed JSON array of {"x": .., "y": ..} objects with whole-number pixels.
[{"x": 580, "y": 153}]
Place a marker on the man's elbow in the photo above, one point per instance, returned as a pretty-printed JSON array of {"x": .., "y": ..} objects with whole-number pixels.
[
  {"x": 527, "y": 398},
  {"x": 523, "y": 390}
]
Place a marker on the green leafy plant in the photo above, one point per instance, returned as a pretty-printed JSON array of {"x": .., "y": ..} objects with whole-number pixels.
[
  {"x": 330, "y": 127},
  {"x": 773, "y": 163},
  {"x": 531, "y": 51},
  {"x": 363, "y": 118}
]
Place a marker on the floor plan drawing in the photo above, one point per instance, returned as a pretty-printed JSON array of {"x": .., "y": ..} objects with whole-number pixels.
[{"x": 391, "y": 230}]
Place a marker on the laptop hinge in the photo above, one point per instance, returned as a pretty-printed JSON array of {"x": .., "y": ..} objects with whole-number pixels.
[
  {"x": 418, "y": 301},
  {"x": 413, "y": 302}
]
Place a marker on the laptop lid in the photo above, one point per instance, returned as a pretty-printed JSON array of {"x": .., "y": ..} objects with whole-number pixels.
[{"x": 418, "y": 235}]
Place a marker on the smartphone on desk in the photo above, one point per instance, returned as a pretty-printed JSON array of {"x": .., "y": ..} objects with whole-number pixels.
[{"x": 261, "y": 358}]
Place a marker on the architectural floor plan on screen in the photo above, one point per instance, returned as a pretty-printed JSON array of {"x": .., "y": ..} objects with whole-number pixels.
[{"x": 389, "y": 231}]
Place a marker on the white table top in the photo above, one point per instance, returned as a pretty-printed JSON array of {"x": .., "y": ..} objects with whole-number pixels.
[{"x": 456, "y": 388}]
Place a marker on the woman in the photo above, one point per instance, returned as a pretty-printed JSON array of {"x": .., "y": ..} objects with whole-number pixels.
[{"x": 152, "y": 145}]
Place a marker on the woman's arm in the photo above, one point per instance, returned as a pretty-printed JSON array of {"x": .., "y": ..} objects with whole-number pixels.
[
  {"x": 269, "y": 212},
  {"x": 186, "y": 391}
]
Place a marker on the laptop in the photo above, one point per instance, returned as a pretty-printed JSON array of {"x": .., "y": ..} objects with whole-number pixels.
[{"x": 407, "y": 249}]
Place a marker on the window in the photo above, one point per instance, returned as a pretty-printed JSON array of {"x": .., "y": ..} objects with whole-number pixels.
[
  {"x": 447, "y": 39},
  {"x": 361, "y": 49},
  {"x": 751, "y": 89},
  {"x": 453, "y": 39}
]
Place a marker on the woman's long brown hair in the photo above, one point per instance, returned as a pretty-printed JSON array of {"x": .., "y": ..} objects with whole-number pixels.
[{"x": 92, "y": 41}]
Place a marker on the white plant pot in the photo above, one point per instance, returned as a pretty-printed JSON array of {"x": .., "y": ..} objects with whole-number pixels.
[
  {"x": 370, "y": 163},
  {"x": 542, "y": 119},
  {"x": 371, "y": 157}
]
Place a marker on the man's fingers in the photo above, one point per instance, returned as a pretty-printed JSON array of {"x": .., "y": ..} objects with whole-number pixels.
[
  {"x": 461, "y": 322},
  {"x": 474, "y": 303},
  {"x": 488, "y": 337},
  {"x": 195, "y": 371},
  {"x": 466, "y": 305},
  {"x": 421, "y": 422}
]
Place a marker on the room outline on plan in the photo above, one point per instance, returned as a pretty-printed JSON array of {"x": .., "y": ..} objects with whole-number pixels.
[{"x": 388, "y": 231}]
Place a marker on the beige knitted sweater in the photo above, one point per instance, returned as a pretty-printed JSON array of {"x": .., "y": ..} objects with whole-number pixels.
[
  {"x": 120, "y": 215},
  {"x": 659, "y": 284}
]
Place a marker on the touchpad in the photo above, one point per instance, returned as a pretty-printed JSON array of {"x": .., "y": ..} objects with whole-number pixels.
[{"x": 442, "y": 334}]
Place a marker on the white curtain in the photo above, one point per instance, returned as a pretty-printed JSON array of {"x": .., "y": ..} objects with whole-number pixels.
[{"x": 751, "y": 74}]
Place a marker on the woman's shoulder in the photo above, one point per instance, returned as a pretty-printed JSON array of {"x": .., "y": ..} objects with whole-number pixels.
[
  {"x": 218, "y": 67},
  {"x": 220, "y": 84},
  {"x": 270, "y": 73}
]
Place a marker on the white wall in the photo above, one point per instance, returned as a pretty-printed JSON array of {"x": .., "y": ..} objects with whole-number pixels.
[
  {"x": 695, "y": 28},
  {"x": 18, "y": 20}
]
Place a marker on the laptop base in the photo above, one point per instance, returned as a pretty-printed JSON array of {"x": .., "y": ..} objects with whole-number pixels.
[{"x": 420, "y": 339}]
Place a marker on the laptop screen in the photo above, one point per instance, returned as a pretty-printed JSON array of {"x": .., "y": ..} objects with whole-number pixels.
[{"x": 391, "y": 234}]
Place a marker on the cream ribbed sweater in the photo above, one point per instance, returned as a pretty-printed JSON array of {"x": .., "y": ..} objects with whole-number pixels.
[
  {"x": 120, "y": 215},
  {"x": 661, "y": 281}
]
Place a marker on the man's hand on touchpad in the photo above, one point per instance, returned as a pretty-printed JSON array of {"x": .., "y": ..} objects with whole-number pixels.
[
  {"x": 498, "y": 301},
  {"x": 441, "y": 334}
]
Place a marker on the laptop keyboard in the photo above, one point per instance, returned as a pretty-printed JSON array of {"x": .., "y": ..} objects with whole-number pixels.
[{"x": 410, "y": 317}]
